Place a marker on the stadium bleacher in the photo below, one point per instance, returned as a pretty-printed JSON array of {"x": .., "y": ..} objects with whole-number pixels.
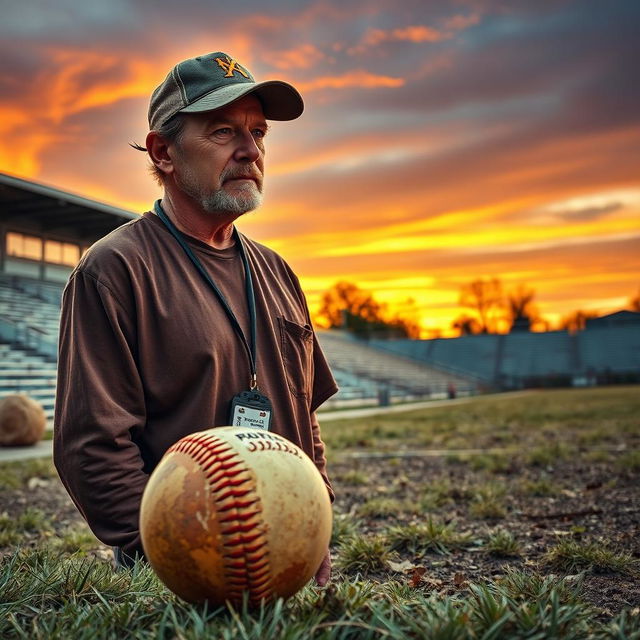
[
  {"x": 375, "y": 373},
  {"x": 43, "y": 230},
  {"x": 29, "y": 321},
  {"x": 28, "y": 373},
  {"x": 35, "y": 317},
  {"x": 471, "y": 358}
]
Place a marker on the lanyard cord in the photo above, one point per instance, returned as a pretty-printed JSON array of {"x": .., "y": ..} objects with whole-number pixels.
[{"x": 251, "y": 301}]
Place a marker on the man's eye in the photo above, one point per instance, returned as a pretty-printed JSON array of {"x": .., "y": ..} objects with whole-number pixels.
[
  {"x": 223, "y": 132},
  {"x": 259, "y": 133}
]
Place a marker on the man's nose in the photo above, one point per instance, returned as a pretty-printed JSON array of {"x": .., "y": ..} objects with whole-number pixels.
[{"x": 247, "y": 149}]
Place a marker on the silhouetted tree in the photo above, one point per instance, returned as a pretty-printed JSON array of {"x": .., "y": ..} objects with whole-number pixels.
[
  {"x": 484, "y": 298},
  {"x": 576, "y": 320},
  {"x": 467, "y": 325},
  {"x": 347, "y": 306},
  {"x": 407, "y": 319},
  {"x": 522, "y": 314},
  {"x": 346, "y": 299},
  {"x": 634, "y": 303}
]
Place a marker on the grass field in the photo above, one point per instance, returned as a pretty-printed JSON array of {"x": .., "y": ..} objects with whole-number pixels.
[{"x": 506, "y": 517}]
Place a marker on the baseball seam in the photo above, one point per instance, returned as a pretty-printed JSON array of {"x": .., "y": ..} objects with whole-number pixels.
[{"x": 239, "y": 513}]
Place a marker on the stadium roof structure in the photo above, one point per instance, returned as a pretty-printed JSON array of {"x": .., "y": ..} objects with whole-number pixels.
[{"x": 46, "y": 208}]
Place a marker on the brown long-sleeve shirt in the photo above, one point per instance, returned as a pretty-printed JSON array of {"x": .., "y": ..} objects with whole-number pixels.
[{"x": 148, "y": 355}]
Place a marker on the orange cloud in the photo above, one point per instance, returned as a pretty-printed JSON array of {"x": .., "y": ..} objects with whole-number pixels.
[
  {"x": 414, "y": 33},
  {"x": 460, "y": 22},
  {"x": 31, "y": 124},
  {"x": 72, "y": 90},
  {"x": 300, "y": 58},
  {"x": 417, "y": 33},
  {"x": 351, "y": 80},
  {"x": 365, "y": 150},
  {"x": 22, "y": 159}
]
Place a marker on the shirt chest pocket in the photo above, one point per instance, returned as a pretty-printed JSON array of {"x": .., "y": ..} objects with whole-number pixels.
[{"x": 296, "y": 343}]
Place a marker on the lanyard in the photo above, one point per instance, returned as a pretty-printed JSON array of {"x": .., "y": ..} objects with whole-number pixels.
[{"x": 251, "y": 301}]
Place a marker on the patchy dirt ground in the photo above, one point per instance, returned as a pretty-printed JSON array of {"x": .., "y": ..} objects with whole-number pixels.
[
  {"x": 587, "y": 502},
  {"x": 56, "y": 518}
]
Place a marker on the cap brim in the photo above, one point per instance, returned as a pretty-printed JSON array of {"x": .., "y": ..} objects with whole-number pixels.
[{"x": 280, "y": 101}]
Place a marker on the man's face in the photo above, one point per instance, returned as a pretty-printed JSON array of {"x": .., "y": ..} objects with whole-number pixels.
[{"x": 219, "y": 159}]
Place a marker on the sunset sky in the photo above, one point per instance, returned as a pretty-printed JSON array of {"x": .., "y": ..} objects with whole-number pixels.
[{"x": 442, "y": 141}]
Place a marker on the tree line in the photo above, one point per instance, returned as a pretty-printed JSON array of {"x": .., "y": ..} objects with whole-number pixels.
[{"x": 487, "y": 308}]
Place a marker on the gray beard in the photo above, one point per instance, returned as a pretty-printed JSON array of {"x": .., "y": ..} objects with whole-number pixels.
[{"x": 219, "y": 201}]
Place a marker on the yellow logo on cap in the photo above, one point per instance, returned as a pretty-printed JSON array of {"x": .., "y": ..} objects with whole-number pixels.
[{"x": 231, "y": 66}]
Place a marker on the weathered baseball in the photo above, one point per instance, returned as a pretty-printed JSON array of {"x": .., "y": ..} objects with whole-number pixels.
[
  {"x": 232, "y": 510},
  {"x": 22, "y": 421}
]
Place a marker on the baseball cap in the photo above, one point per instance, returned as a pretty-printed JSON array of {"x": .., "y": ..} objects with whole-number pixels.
[{"x": 214, "y": 80}]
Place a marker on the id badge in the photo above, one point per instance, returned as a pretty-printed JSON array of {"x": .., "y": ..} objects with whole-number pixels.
[{"x": 251, "y": 409}]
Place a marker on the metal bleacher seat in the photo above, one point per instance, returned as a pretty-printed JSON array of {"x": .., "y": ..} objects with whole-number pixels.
[
  {"x": 379, "y": 371},
  {"x": 468, "y": 358},
  {"x": 29, "y": 321}
]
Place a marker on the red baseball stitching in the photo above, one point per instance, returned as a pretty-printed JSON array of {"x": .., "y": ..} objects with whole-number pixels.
[{"x": 239, "y": 511}]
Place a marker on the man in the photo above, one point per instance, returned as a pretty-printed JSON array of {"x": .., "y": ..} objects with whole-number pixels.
[{"x": 174, "y": 321}]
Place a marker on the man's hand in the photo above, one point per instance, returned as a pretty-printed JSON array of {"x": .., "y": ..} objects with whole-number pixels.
[{"x": 324, "y": 572}]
